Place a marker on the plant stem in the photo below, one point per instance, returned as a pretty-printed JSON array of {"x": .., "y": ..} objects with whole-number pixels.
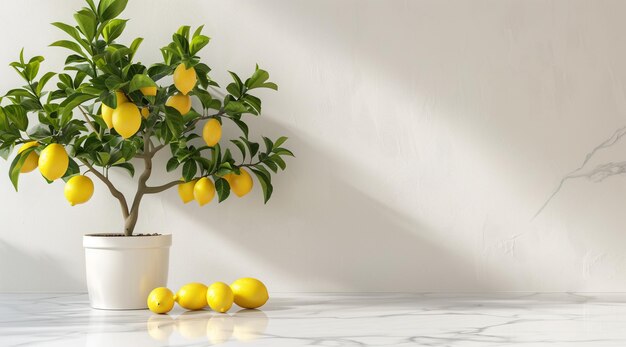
[{"x": 116, "y": 193}]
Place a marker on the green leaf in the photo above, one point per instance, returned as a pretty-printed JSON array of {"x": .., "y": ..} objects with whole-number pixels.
[
  {"x": 279, "y": 161},
  {"x": 158, "y": 71},
  {"x": 268, "y": 144},
  {"x": 86, "y": 23},
  {"x": 39, "y": 132},
  {"x": 235, "y": 107},
  {"x": 43, "y": 80},
  {"x": 70, "y": 30},
  {"x": 197, "y": 43},
  {"x": 253, "y": 102},
  {"x": 17, "y": 115},
  {"x": 257, "y": 79},
  {"x": 113, "y": 29},
  {"x": 92, "y": 6},
  {"x": 242, "y": 148},
  {"x": 31, "y": 70},
  {"x": 69, "y": 45},
  {"x": 280, "y": 141},
  {"x": 236, "y": 79},
  {"x": 72, "y": 102},
  {"x": 128, "y": 167},
  {"x": 198, "y": 31},
  {"x": 181, "y": 43},
  {"x": 103, "y": 158},
  {"x": 20, "y": 93},
  {"x": 271, "y": 165},
  {"x": 265, "y": 182},
  {"x": 109, "y": 9},
  {"x": 140, "y": 81},
  {"x": 234, "y": 90},
  {"x": 5, "y": 152},
  {"x": 134, "y": 46},
  {"x": 189, "y": 170},
  {"x": 72, "y": 169},
  {"x": 172, "y": 164},
  {"x": 243, "y": 126},
  {"x": 283, "y": 151},
  {"x": 184, "y": 31},
  {"x": 223, "y": 189},
  {"x": 16, "y": 165},
  {"x": 253, "y": 147}
]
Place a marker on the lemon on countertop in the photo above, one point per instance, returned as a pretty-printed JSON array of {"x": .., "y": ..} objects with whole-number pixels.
[
  {"x": 249, "y": 292},
  {"x": 220, "y": 297},
  {"x": 161, "y": 300},
  {"x": 192, "y": 296}
]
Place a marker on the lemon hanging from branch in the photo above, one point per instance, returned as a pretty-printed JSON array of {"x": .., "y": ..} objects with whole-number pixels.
[
  {"x": 126, "y": 119},
  {"x": 53, "y": 162},
  {"x": 78, "y": 190},
  {"x": 185, "y": 78},
  {"x": 31, "y": 162},
  {"x": 212, "y": 132},
  {"x": 107, "y": 112},
  {"x": 182, "y": 103}
]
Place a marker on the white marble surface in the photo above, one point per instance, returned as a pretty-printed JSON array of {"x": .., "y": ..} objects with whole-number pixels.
[{"x": 327, "y": 320}]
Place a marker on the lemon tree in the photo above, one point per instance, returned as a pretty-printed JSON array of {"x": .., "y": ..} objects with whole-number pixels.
[{"x": 107, "y": 111}]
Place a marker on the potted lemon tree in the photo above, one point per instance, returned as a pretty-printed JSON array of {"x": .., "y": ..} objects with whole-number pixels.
[{"x": 108, "y": 111}]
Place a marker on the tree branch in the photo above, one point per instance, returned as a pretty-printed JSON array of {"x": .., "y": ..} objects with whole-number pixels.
[
  {"x": 163, "y": 187},
  {"x": 195, "y": 121},
  {"x": 116, "y": 193},
  {"x": 82, "y": 110}
]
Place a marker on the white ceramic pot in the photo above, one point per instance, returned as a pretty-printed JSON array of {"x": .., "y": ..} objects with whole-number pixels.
[{"x": 122, "y": 270}]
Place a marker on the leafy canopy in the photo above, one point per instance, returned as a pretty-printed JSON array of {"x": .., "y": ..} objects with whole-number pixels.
[{"x": 98, "y": 66}]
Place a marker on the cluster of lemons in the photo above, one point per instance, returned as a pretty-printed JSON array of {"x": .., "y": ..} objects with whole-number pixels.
[
  {"x": 203, "y": 189},
  {"x": 53, "y": 160},
  {"x": 53, "y": 163},
  {"x": 245, "y": 292},
  {"x": 126, "y": 117}
]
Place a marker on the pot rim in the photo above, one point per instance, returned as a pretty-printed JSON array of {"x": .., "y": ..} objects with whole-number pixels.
[{"x": 100, "y": 241}]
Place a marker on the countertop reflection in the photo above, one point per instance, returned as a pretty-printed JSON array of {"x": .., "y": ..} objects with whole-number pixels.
[{"x": 528, "y": 319}]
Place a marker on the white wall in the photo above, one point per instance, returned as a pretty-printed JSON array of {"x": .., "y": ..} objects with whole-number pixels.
[{"x": 427, "y": 135}]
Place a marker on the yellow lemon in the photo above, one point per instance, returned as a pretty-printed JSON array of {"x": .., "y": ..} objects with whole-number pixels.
[
  {"x": 192, "y": 296},
  {"x": 249, "y": 292},
  {"x": 31, "y": 161},
  {"x": 220, "y": 297},
  {"x": 180, "y": 102},
  {"x": 145, "y": 112},
  {"x": 185, "y": 79},
  {"x": 212, "y": 132},
  {"x": 78, "y": 189},
  {"x": 148, "y": 91},
  {"x": 161, "y": 300},
  {"x": 185, "y": 191},
  {"x": 126, "y": 119},
  {"x": 204, "y": 191},
  {"x": 240, "y": 184},
  {"x": 53, "y": 161},
  {"x": 107, "y": 112},
  {"x": 121, "y": 97}
]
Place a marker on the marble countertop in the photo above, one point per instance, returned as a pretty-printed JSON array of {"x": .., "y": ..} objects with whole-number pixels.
[{"x": 327, "y": 320}]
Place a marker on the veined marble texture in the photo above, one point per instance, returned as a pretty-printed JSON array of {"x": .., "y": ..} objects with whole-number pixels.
[{"x": 528, "y": 319}]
